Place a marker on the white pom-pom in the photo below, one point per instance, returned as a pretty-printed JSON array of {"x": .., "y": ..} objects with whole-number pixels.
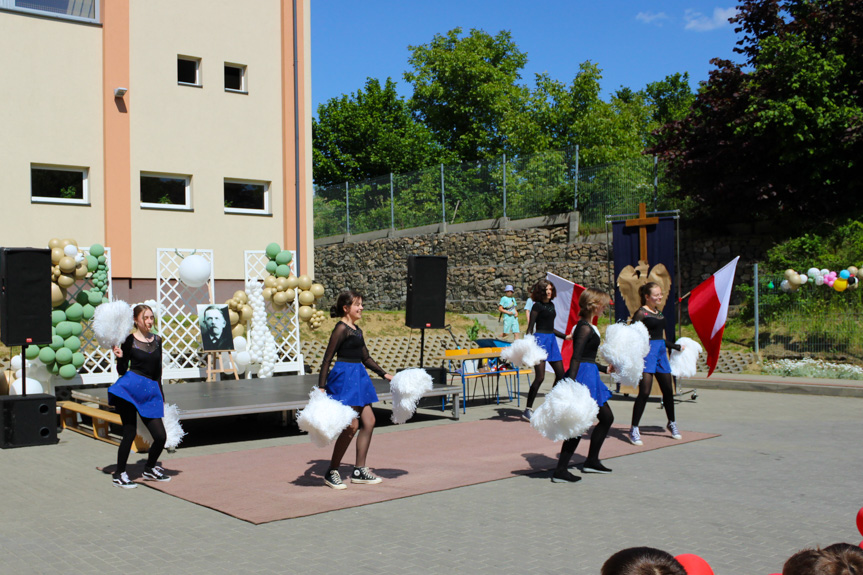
[
  {"x": 324, "y": 418},
  {"x": 112, "y": 323},
  {"x": 568, "y": 411},
  {"x": 408, "y": 387},
  {"x": 683, "y": 363},
  {"x": 173, "y": 428},
  {"x": 625, "y": 348},
  {"x": 524, "y": 352}
]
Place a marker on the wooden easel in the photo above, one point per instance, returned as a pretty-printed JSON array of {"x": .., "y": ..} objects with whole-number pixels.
[{"x": 214, "y": 358}]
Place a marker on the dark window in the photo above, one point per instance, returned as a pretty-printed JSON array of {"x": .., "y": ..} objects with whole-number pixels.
[
  {"x": 164, "y": 190},
  {"x": 245, "y": 196},
  {"x": 234, "y": 77},
  {"x": 187, "y": 71},
  {"x": 57, "y": 184}
]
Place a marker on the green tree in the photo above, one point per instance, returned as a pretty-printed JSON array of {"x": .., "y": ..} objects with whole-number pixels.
[{"x": 369, "y": 133}]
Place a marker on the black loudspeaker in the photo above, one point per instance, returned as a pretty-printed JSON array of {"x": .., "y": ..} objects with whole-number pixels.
[
  {"x": 25, "y": 296},
  {"x": 426, "y": 301},
  {"x": 27, "y": 420}
]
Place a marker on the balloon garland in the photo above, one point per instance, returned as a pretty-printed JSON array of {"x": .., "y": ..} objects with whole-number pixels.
[
  {"x": 282, "y": 287},
  {"x": 849, "y": 278}
]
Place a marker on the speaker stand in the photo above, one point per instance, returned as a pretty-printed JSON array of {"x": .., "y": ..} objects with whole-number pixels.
[
  {"x": 422, "y": 344},
  {"x": 23, "y": 371}
]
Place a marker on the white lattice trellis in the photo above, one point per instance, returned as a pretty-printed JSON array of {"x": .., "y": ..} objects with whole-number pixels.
[
  {"x": 99, "y": 366},
  {"x": 177, "y": 316},
  {"x": 285, "y": 325}
]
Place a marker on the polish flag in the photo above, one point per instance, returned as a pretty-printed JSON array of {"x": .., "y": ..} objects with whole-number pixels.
[
  {"x": 708, "y": 310},
  {"x": 566, "y": 308}
]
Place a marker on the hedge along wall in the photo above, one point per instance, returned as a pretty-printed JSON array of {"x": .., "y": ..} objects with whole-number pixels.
[{"x": 482, "y": 262}]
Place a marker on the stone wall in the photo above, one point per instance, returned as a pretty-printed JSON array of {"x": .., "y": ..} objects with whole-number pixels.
[{"x": 482, "y": 262}]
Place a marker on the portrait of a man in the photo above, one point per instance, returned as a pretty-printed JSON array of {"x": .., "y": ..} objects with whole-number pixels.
[{"x": 215, "y": 327}]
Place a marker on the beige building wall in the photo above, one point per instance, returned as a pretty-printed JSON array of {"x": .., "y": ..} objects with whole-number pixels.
[
  {"x": 205, "y": 132},
  {"x": 51, "y": 113}
]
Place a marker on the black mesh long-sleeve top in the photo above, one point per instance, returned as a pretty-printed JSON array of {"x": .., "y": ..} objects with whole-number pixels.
[
  {"x": 655, "y": 324},
  {"x": 142, "y": 357},
  {"x": 585, "y": 343},
  {"x": 542, "y": 316},
  {"x": 348, "y": 343}
]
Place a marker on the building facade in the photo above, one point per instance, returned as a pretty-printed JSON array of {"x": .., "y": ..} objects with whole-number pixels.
[{"x": 145, "y": 124}]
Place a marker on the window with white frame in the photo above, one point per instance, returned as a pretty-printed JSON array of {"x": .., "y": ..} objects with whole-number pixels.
[
  {"x": 246, "y": 197},
  {"x": 235, "y": 78},
  {"x": 81, "y": 10},
  {"x": 166, "y": 191},
  {"x": 59, "y": 184},
  {"x": 188, "y": 71}
]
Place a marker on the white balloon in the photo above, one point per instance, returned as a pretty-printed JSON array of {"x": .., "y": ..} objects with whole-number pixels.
[
  {"x": 819, "y": 280},
  {"x": 71, "y": 250},
  {"x": 16, "y": 362},
  {"x": 785, "y": 286},
  {"x": 240, "y": 343},
  {"x": 79, "y": 257},
  {"x": 243, "y": 358},
  {"x": 33, "y": 386},
  {"x": 803, "y": 279},
  {"x": 825, "y": 271},
  {"x": 194, "y": 270}
]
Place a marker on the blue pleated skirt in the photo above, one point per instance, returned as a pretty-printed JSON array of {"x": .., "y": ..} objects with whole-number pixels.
[
  {"x": 657, "y": 359},
  {"x": 141, "y": 392},
  {"x": 548, "y": 342},
  {"x": 350, "y": 384},
  {"x": 588, "y": 376}
]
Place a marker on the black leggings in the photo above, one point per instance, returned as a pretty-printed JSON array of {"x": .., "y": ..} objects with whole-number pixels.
[
  {"x": 129, "y": 417},
  {"x": 667, "y": 388},
  {"x": 557, "y": 366},
  {"x": 597, "y": 437}
]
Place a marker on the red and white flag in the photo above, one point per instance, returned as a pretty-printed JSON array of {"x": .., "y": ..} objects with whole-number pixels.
[
  {"x": 708, "y": 310},
  {"x": 566, "y": 307}
]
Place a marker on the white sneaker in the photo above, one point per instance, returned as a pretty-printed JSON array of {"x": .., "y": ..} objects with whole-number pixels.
[
  {"x": 675, "y": 433},
  {"x": 122, "y": 480}
]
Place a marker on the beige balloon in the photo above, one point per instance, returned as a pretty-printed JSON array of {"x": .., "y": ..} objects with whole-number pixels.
[
  {"x": 293, "y": 282},
  {"x": 282, "y": 284},
  {"x": 58, "y": 295},
  {"x": 67, "y": 264},
  {"x": 56, "y": 255},
  {"x": 81, "y": 271},
  {"x": 66, "y": 281},
  {"x": 68, "y": 242},
  {"x": 54, "y": 243},
  {"x": 291, "y": 295},
  {"x": 238, "y": 330},
  {"x": 280, "y": 298},
  {"x": 306, "y": 298},
  {"x": 270, "y": 282},
  {"x": 278, "y": 306},
  {"x": 246, "y": 313},
  {"x": 268, "y": 293},
  {"x": 305, "y": 313},
  {"x": 235, "y": 317},
  {"x": 305, "y": 282},
  {"x": 241, "y": 297},
  {"x": 317, "y": 290}
]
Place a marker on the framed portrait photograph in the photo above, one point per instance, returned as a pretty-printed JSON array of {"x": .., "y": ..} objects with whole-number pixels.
[{"x": 215, "y": 324}]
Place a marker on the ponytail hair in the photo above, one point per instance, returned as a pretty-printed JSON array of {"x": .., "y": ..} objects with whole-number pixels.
[
  {"x": 591, "y": 300},
  {"x": 346, "y": 298},
  {"x": 645, "y": 290}
]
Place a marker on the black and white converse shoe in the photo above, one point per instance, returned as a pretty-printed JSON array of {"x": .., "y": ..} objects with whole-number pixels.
[
  {"x": 363, "y": 475},
  {"x": 155, "y": 474},
  {"x": 334, "y": 480},
  {"x": 122, "y": 480}
]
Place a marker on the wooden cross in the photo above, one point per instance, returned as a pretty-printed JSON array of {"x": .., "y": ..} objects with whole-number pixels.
[{"x": 642, "y": 221}]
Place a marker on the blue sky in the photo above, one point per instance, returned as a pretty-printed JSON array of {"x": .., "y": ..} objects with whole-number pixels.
[{"x": 634, "y": 42}]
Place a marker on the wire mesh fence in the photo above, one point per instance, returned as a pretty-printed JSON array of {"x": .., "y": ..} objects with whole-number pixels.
[{"x": 541, "y": 184}]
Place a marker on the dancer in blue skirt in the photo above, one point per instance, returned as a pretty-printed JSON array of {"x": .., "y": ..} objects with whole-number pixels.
[
  {"x": 139, "y": 392},
  {"x": 656, "y": 363},
  {"x": 349, "y": 383},
  {"x": 584, "y": 369},
  {"x": 541, "y": 324}
]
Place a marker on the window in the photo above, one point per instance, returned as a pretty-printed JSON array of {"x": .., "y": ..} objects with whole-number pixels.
[
  {"x": 244, "y": 197},
  {"x": 166, "y": 192},
  {"x": 235, "y": 78},
  {"x": 188, "y": 71},
  {"x": 56, "y": 184},
  {"x": 86, "y": 10}
]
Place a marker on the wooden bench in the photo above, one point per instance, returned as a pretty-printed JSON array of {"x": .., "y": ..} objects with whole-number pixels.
[{"x": 100, "y": 429}]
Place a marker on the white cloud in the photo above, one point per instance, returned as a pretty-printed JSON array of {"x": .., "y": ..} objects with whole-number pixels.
[
  {"x": 652, "y": 17},
  {"x": 700, "y": 23}
]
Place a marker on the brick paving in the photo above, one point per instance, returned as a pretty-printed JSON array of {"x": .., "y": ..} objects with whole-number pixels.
[{"x": 785, "y": 474}]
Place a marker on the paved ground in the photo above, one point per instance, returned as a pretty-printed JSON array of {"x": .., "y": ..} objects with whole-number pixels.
[{"x": 785, "y": 474}]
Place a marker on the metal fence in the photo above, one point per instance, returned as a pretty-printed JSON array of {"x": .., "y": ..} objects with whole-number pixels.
[
  {"x": 811, "y": 320},
  {"x": 519, "y": 187}
]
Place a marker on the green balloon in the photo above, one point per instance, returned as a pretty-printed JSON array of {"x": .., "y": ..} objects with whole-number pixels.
[
  {"x": 32, "y": 351},
  {"x": 271, "y": 267},
  {"x": 283, "y": 271},
  {"x": 53, "y": 331},
  {"x": 105, "y": 300},
  {"x": 57, "y": 316},
  {"x": 64, "y": 329},
  {"x": 88, "y": 313},
  {"x": 92, "y": 262},
  {"x": 74, "y": 312},
  {"x": 72, "y": 343},
  {"x": 102, "y": 259},
  {"x": 56, "y": 343},
  {"x": 284, "y": 257},
  {"x": 67, "y": 371},
  {"x": 97, "y": 250},
  {"x": 46, "y": 355},
  {"x": 63, "y": 356},
  {"x": 273, "y": 250},
  {"x": 77, "y": 328},
  {"x": 94, "y": 297},
  {"x": 54, "y": 368},
  {"x": 82, "y": 297},
  {"x": 78, "y": 359}
]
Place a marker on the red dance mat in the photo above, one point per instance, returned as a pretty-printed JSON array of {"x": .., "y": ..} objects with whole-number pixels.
[{"x": 273, "y": 483}]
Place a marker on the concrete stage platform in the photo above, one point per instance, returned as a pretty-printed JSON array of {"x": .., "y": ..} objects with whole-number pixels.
[{"x": 202, "y": 399}]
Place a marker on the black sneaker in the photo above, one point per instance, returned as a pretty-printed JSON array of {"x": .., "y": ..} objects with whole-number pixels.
[
  {"x": 155, "y": 474},
  {"x": 334, "y": 480},
  {"x": 363, "y": 475},
  {"x": 594, "y": 467},
  {"x": 564, "y": 477},
  {"x": 122, "y": 480}
]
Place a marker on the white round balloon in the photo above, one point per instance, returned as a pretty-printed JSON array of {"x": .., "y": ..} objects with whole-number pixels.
[
  {"x": 194, "y": 270},
  {"x": 71, "y": 250},
  {"x": 33, "y": 386},
  {"x": 240, "y": 343},
  {"x": 16, "y": 362},
  {"x": 243, "y": 358}
]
